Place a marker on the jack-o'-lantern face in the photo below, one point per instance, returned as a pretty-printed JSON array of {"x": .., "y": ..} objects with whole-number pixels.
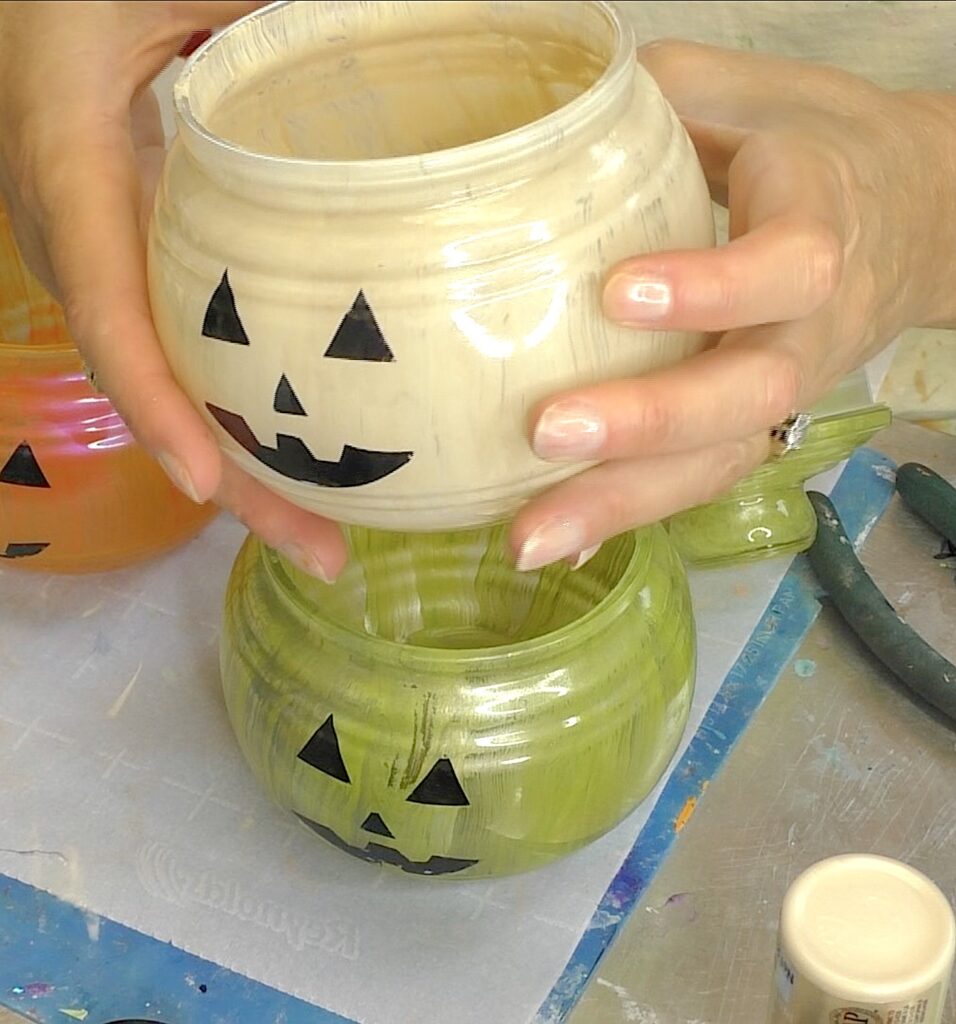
[
  {"x": 358, "y": 337},
  {"x": 77, "y": 494},
  {"x": 438, "y": 788},
  {"x": 23, "y": 470},
  {"x": 365, "y": 395}
]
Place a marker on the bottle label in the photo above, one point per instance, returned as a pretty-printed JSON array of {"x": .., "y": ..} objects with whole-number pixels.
[
  {"x": 909, "y": 1013},
  {"x": 856, "y": 1015},
  {"x": 785, "y": 977},
  {"x": 794, "y": 1001}
]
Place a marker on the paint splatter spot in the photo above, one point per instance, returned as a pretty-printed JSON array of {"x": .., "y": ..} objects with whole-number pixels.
[
  {"x": 35, "y": 990},
  {"x": 679, "y": 908},
  {"x": 632, "y": 1010},
  {"x": 686, "y": 812},
  {"x": 805, "y": 667},
  {"x": 837, "y": 759}
]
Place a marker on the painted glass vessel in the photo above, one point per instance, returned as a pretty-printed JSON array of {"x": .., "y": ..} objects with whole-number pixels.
[
  {"x": 77, "y": 494},
  {"x": 381, "y": 234},
  {"x": 768, "y": 513},
  {"x": 439, "y": 712}
]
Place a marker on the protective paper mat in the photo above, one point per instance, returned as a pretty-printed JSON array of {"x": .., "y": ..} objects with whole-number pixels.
[{"x": 124, "y": 793}]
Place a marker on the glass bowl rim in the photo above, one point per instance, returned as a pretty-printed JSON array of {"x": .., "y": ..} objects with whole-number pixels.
[
  {"x": 393, "y": 652},
  {"x": 396, "y": 169}
]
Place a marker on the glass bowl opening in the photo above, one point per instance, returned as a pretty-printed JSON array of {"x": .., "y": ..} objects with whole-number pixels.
[
  {"x": 357, "y": 82},
  {"x": 459, "y": 592}
]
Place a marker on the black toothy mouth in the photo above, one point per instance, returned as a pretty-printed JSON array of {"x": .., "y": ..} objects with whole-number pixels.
[
  {"x": 23, "y": 550},
  {"x": 292, "y": 459},
  {"x": 375, "y": 853}
]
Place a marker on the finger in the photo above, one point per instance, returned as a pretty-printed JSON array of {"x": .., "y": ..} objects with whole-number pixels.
[
  {"x": 90, "y": 208},
  {"x": 202, "y": 14},
  {"x": 747, "y": 90},
  {"x": 616, "y": 496},
  {"x": 168, "y": 30},
  {"x": 314, "y": 544},
  {"x": 713, "y": 84},
  {"x": 788, "y": 227},
  {"x": 753, "y": 379},
  {"x": 149, "y": 147},
  {"x": 786, "y": 268},
  {"x": 716, "y": 147}
]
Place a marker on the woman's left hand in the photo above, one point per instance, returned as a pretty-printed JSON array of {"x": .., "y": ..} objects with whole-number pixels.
[{"x": 842, "y": 201}]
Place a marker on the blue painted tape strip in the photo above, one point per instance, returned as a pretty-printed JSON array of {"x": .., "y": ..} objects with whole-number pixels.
[
  {"x": 48, "y": 963},
  {"x": 51, "y": 971},
  {"x": 860, "y": 496}
]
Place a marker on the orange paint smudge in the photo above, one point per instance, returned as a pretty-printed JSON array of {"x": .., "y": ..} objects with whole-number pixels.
[{"x": 685, "y": 813}]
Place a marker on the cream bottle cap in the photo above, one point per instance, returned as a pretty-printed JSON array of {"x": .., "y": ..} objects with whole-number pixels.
[{"x": 868, "y": 928}]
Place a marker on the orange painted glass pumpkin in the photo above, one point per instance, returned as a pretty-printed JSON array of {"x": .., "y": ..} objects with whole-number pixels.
[{"x": 77, "y": 494}]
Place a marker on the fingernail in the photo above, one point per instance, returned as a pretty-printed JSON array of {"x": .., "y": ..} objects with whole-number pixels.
[
  {"x": 305, "y": 560},
  {"x": 176, "y": 472},
  {"x": 584, "y": 557},
  {"x": 637, "y": 301},
  {"x": 568, "y": 430},
  {"x": 551, "y": 541}
]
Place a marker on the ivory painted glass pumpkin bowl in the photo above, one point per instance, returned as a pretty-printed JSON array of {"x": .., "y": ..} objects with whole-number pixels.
[
  {"x": 439, "y": 712},
  {"x": 77, "y": 494},
  {"x": 381, "y": 234}
]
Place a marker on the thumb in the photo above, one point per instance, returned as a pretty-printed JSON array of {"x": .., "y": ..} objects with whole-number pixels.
[{"x": 93, "y": 238}]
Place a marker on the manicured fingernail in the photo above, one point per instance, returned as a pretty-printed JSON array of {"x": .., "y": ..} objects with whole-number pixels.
[
  {"x": 584, "y": 557},
  {"x": 176, "y": 472},
  {"x": 569, "y": 430},
  {"x": 637, "y": 301},
  {"x": 306, "y": 561},
  {"x": 551, "y": 541}
]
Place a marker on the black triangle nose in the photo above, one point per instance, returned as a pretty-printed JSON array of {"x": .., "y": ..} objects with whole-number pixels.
[{"x": 373, "y": 823}]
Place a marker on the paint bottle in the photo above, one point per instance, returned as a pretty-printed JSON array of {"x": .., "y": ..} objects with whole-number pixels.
[{"x": 863, "y": 940}]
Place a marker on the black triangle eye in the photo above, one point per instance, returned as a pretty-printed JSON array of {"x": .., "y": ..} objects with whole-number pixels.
[
  {"x": 373, "y": 823},
  {"x": 222, "y": 318},
  {"x": 322, "y": 752},
  {"x": 359, "y": 336},
  {"x": 23, "y": 469},
  {"x": 23, "y": 550},
  {"x": 440, "y": 786},
  {"x": 286, "y": 400}
]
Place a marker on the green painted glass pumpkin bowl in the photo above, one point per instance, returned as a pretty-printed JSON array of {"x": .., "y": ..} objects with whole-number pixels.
[
  {"x": 437, "y": 711},
  {"x": 768, "y": 513}
]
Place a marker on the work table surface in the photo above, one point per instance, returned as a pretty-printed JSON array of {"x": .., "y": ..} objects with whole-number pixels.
[{"x": 839, "y": 758}]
